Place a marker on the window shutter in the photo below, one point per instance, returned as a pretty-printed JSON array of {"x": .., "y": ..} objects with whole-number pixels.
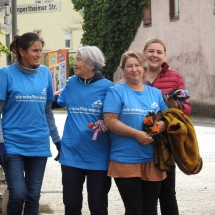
[
  {"x": 171, "y": 9},
  {"x": 147, "y": 15}
]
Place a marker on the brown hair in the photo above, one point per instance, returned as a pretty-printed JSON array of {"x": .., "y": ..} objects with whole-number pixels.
[
  {"x": 136, "y": 55},
  {"x": 154, "y": 40},
  {"x": 23, "y": 42}
]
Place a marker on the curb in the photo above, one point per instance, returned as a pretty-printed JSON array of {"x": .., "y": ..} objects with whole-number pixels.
[
  {"x": 194, "y": 119},
  {"x": 202, "y": 119}
]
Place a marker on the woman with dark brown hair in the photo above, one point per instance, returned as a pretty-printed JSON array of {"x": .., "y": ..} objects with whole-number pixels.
[{"x": 27, "y": 121}]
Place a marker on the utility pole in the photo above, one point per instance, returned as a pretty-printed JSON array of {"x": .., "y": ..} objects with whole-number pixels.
[
  {"x": 8, "y": 32},
  {"x": 14, "y": 17}
]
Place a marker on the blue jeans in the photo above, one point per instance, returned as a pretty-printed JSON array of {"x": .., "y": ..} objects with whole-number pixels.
[{"x": 24, "y": 176}]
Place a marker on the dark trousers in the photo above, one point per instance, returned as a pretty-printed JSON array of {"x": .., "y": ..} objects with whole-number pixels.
[
  {"x": 98, "y": 185},
  {"x": 139, "y": 197},
  {"x": 167, "y": 197}
]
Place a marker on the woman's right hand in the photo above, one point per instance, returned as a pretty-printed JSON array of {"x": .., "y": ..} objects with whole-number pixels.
[{"x": 143, "y": 138}]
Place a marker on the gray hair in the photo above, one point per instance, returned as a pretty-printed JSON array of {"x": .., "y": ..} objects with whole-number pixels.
[{"x": 92, "y": 56}]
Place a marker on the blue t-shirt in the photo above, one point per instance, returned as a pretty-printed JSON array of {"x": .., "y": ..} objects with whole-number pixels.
[
  {"x": 132, "y": 107},
  {"x": 84, "y": 103},
  {"x": 24, "y": 124}
]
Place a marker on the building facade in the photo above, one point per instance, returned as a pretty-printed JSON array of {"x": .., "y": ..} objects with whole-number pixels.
[
  {"x": 188, "y": 29},
  {"x": 54, "y": 20}
]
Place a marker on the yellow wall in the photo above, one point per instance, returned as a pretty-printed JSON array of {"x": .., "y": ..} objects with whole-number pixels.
[{"x": 52, "y": 25}]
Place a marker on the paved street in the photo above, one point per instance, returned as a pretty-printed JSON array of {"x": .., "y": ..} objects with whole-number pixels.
[{"x": 195, "y": 194}]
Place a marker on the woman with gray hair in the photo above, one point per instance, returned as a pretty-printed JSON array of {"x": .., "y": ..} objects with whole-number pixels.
[{"x": 83, "y": 154}]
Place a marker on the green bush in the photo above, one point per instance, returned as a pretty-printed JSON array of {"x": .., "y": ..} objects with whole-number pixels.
[
  {"x": 3, "y": 48},
  {"x": 110, "y": 25},
  {"x": 71, "y": 67}
]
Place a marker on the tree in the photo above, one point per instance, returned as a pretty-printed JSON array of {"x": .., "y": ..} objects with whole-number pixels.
[
  {"x": 110, "y": 25},
  {"x": 3, "y": 48},
  {"x": 71, "y": 67}
]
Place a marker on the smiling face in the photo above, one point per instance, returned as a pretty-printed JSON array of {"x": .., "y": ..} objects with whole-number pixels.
[
  {"x": 80, "y": 68},
  {"x": 133, "y": 71},
  {"x": 31, "y": 57},
  {"x": 155, "y": 56}
]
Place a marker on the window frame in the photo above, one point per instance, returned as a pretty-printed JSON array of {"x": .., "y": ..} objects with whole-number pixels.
[
  {"x": 39, "y": 32},
  {"x": 147, "y": 15},
  {"x": 172, "y": 10},
  {"x": 68, "y": 38}
]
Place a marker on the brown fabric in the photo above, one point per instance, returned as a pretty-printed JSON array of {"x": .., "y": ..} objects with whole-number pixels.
[
  {"x": 113, "y": 124},
  {"x": 147, "y": 171},
  {"x": 110, "y": 120},
  {"x": 183, "y": 142},
  {"x": 163, "y": 157}
]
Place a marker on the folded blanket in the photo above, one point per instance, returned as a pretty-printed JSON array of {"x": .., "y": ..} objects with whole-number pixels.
[{"x": 179, "y": 143}]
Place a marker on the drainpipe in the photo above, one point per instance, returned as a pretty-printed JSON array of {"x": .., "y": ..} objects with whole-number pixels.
[{"x": 214, "y": 8}]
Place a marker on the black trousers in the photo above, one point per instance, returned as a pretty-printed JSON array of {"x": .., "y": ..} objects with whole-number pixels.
[
  {"x": 167, "y": 197},
  {"x": 139, "y": 197},
  {"x": 98, "y": 185}
]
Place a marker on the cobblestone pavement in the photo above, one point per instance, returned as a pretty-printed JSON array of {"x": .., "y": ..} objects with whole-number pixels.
[{"x": 195, "y": 193}]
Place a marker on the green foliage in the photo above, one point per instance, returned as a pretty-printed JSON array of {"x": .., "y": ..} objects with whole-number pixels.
[
  {"x": 3, "y": 48},
  {"x": 71, "y": 68},
  {"x": 110, "y": 25}
]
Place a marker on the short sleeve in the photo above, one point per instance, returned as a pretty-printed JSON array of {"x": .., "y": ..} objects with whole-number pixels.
[
  {"x": 3, "y": 85},
  {"x": 113, "y": 101},
  {"x": 50, "y": 93}
]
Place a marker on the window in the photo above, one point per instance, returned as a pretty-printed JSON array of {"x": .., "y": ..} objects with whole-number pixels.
[
  {"x": 173, "y": 9},
  {"x": 39, "y": 32},
  {"x": 48, "y": 1},
  {"x": 147, "y": 20},
  {"x": 68, "y": 42}
]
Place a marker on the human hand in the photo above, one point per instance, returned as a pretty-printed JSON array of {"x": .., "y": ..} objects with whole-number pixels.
[
  {"x": 3, "y": 155},
  {"x": 143, "y": 138},
  {"x": 171, "y": 103},
  {"x": 98, "y": 126},
  {"x": 58, "y": 146}
]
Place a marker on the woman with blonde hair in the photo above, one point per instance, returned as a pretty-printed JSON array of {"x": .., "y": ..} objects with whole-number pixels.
[
  {"x": 160, "y": 76},
  {"x": 132, "y": 150}
]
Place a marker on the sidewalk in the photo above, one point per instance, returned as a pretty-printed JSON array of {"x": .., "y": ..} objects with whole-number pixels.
[{"x": 195, "y": 194}]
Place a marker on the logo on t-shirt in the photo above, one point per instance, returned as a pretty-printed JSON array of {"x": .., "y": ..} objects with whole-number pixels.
[
  {"x": 44, "y": 91},
  {"x": 155, "y": 106},
  {"x": 97, "y": 104}
]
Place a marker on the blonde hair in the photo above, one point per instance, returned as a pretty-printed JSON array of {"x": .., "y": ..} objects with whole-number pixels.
[
  {"x": 136, "y": 55},
  {"x": 154, "y": 40}
]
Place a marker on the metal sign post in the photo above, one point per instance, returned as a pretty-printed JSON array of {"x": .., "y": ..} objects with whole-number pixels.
[{"x": 7, "y": 30}]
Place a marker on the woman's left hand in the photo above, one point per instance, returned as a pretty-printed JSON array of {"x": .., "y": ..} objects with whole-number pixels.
[{"x": 171, "y": 103}]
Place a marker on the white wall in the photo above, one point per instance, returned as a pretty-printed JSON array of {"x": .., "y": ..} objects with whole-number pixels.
[{"x": 190, "y": 44}]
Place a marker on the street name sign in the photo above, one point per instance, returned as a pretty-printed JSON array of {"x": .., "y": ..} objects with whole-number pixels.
[{"x": 39, "y": 8}]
